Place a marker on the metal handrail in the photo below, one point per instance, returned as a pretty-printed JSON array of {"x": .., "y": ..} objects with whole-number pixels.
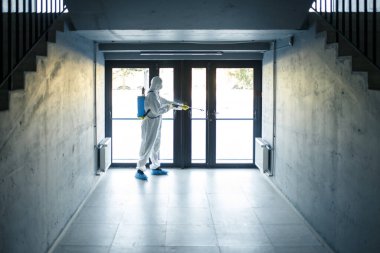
[
  {"x": 354, "y": 20},
  {"x": 32, "y": 31}
]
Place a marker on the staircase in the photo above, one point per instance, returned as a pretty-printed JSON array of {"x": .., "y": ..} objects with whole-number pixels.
[
  {"x": 26, "y": 30},
  {"x": 17, "y": 79},
  {"x": 346, "y": 51},
  {"x": 353, "y": 27},
  {"x": 14, "y": 80}
]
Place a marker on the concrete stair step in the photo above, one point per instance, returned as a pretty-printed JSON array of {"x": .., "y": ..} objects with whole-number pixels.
[
  {"x": 40, "y": 49},
  {"x": 59, "y": 25},
  {"x": 18, "y": 80},
  {"x": 333, "y": 48},
  {"x": 374, "y": 78},
  {"x": 360, "y": 63},
  {"x": 51, "y": 36},
  {"x": 324, "y": 27},
  {"x": 346, "y": 51},
  {"x": 4, "y": 98},
  {"x": 346, "y": 60},
  {"x": 29, "y": 64}
]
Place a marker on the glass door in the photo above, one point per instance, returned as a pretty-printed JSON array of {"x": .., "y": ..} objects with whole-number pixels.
[
  {"x": 198, "y": 116},
  {"x": 223, "y": 134},
  {"x": 234, "y": 115},
  {"x": 218, "y": 131},
  {"x": 167, "y": 129},
  {"x": 125, "y": 83}
]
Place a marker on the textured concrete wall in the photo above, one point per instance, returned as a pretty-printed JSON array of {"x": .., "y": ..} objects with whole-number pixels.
[
  {"x": 267, "y": 104},
  {"x": 47, "y": 155},
  {"x": 327, "y": 142}
]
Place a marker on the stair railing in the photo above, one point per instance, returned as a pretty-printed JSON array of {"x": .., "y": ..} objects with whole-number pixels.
[
  {"x": 23, "y": 24},
  {"x": 355, "y": 20}
]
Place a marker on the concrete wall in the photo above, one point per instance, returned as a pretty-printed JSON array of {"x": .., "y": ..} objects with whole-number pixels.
[
  {"x": 327, "y": 159},
  {"x": 47, "y": 156}
]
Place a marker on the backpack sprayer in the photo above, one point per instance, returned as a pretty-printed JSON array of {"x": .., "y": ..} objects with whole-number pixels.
[
  {"x": 140, "y": 105},
  {"x": 141, "y": 113}
]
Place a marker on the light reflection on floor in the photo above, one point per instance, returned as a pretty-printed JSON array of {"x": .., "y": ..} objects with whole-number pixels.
[{"x": 191, "y": 210}]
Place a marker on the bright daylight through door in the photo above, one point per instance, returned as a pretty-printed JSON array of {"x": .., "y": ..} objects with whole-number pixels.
[
  {"x": 126, "y": 127},
  {"x": 127, "y": 84},
  {"x": 234, "y": 115},
  {"x": 198, "y": 117},
  {"x": 167, "y": 92},
  {"x": 230, "y": 118}
]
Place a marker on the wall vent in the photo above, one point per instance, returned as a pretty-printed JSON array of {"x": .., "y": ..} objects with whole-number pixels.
[{"x": 263, "y": 156}]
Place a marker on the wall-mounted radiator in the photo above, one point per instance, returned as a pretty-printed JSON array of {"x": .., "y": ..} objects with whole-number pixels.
[
  {"x": 104, "y": 148},
  {"x": 263, "y": 156}
]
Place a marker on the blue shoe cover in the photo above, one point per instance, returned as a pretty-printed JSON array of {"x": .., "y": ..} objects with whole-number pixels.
[
  {"x": 159, "y": 172},
  {"x": 141, "y": 175}
]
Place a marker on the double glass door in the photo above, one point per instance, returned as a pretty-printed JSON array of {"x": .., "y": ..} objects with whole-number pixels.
[{"x": 218, "y": 131}]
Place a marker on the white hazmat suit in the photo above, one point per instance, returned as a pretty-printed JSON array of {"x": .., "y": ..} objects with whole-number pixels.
[{"x": 151, "y": 125}]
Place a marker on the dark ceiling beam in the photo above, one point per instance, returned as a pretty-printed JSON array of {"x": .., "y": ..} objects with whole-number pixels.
[
  {"x": 188, "y": 15},
  {"x": 224, "y": 47}
]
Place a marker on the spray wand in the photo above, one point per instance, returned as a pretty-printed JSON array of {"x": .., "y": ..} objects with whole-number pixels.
[{"x": 186, "y": 107}]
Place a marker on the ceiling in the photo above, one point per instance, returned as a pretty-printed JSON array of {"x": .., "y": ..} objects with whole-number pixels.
[{"x": 186, "y": 22}]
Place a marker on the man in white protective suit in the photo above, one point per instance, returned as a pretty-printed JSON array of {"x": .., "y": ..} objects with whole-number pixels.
[{"x": 155, "y": 106}]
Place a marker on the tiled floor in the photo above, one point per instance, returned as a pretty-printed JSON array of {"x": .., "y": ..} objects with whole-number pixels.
[{"x": 188, "y": 211}]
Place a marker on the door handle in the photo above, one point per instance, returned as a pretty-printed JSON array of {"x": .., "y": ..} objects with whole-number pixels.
[{"x": 209, "y": 116}]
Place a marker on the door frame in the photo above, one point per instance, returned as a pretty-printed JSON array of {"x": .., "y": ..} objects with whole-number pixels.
[
  {"x": 153, "y": 71},
  {"x": 182, "y": 92},
  {"x": 211, "y": 67}
]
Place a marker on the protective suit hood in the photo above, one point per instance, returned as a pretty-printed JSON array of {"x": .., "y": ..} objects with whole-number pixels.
[{"x": 155, "y": 84}]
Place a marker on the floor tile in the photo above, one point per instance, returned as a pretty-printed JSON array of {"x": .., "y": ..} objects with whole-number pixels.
[
  {"x": 283, "y": 215},
  {"x": 228, "y": 201},
  {"x": 107, "y": 200},
  {"x": 291, "y": 235},
  {"x": 188, "y": 200},
  {"x": 272, "y": 200},
  {"x": 252, "y": 249},
  {"x": 81, "y": 249},
  {"x": 146, "y": 249},
  {"x": 194, "y": 215},
  {"x": 258, "y": 185},
  {"x": 140, "y": 235},
  {"x": 194, "y": 249},
  {"x": 94, "y": 214},
  {"x": 90, "y": 234},
  {"x": 237, "y": 228},
  {"x": 234, "y": 216},
  {"x": 190, "y": 235},
  {"x": 192, "y": 210},
  {"x": 242, "y": 236},
  {"x": 145, "y": 215},
  {"x": 147, "y": 200},
  {"x": 316, "y": 249}
]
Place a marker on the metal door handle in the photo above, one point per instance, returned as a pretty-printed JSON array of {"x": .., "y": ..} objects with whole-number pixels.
[{"x": 209, "y": 116}]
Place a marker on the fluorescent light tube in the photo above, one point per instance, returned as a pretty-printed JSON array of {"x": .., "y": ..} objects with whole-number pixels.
[{"x": 182, "y": 53}]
